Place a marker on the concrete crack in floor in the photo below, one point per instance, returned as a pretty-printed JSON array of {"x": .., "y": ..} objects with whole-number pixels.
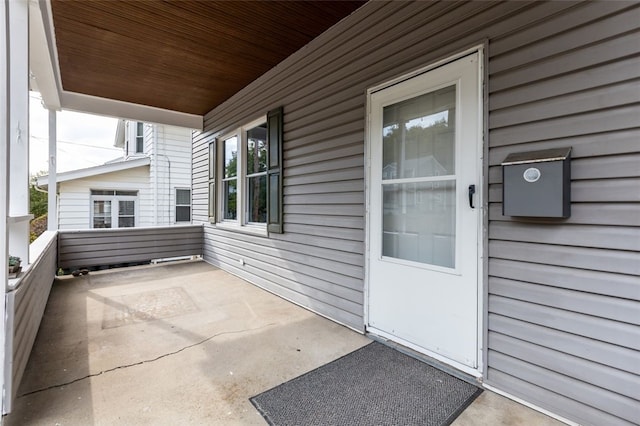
[{"x": 146, "y": 361}]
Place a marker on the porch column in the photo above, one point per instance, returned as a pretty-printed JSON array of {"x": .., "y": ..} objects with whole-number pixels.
[
  {"x": 18, "y": 128},
  {"x": 4, "y": 183},
  {"x": 52, "y": 208}
]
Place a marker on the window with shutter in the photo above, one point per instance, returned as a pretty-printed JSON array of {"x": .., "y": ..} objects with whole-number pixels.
[
  {"x": 212, "y": 181},
  {"x": 248, "y": 165}
]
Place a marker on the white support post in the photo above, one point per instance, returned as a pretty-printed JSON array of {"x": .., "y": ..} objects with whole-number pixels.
[
  {"x": 52, "y": 210},
  {"x": 4, "y": 188},
  {"x": 18, "y": 126}
]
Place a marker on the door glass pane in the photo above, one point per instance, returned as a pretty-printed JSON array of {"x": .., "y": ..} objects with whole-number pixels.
[
  {"x": 419, "y": 222},
  {"x": 419, "y": 136}
]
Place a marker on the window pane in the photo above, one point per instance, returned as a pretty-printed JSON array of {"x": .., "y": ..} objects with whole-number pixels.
[
  {"x": 183, "y": 196},
  {"x": 102, "y": 222},
  {"x": 257, "y": 149},
  {"x": 231, "y": 157},
  {"x": 257, "y": 199},
  {"x": 126, "y": 214},
  {"x": 183, "y": 213},
  {"x": 419, "y": 222},
  {"x": 418, "y": 136},
  {"x": 230, "y": 194},
  {"x": 126, "y": 222},
  {"x": 126, "y": 193},
  {"x": 126, "y": 208},
  {"x": 139, "y": 137},
  {"x": 101, "y": 207},
  {"x": 101, "y": 192},
  {"x": 102, "y": 214}
]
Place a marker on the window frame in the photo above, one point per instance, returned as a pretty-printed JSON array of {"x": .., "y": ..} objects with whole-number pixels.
[
  {"x": 114, "y": 199},
  {"x": 241, "y": 222},
  {"x": 223, "y": 180},
  {"x": 182, "y": 205},
  {"x": 139, "y": 137}
]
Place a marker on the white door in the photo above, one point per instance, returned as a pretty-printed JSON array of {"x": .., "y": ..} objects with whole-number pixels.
[{"x": 425, "y": 151}]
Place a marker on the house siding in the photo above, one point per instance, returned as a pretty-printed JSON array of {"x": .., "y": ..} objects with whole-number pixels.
[
  {"x": 562, "y": 296},
  {"x": 74, "y": 200},
  {"x": 171, "y": 168},
  {"x": 169, "y": 149}
]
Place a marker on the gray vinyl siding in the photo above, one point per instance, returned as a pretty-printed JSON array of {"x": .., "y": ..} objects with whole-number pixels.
[
  {"x": 562, "y": 296},
  {"x": 98, "y": 247}
]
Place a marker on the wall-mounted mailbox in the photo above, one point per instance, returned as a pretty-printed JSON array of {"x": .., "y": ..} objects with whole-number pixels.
[{"x": 537, "y": 183}]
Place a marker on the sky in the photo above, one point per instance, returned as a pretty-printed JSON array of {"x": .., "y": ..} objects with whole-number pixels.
[{"x": 84, "y": 140}]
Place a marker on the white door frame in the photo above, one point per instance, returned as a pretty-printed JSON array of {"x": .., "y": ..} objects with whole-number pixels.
[{"x": 480, "y": 203}]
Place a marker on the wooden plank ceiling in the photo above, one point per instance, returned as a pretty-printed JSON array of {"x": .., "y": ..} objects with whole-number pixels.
[{"x": 186, "y": 56}]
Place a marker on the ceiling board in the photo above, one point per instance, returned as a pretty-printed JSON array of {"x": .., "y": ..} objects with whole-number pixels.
[{"x": 186, "y": 56}]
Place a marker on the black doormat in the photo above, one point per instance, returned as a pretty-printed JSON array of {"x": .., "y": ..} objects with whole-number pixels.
[{"x": 374, "y": 385}]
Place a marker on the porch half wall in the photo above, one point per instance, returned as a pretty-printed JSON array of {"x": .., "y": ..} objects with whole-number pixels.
[{"x": 562, "y": 297}]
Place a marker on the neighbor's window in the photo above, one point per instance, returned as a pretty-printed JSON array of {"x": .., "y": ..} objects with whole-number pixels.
[
  {"x": 183, "y": 205},
  {"x": 113, "y": 208},
  {"x": 139, "y": 137}
]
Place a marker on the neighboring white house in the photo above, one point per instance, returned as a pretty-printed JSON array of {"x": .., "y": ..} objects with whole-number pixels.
[{"x": 149, "y": 186}]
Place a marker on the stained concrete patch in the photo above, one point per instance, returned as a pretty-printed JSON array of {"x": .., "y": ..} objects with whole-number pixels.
[{"x": 146, "y": 306}]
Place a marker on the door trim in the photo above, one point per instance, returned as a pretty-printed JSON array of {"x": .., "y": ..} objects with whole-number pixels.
[{"x": 481, "y": 151}]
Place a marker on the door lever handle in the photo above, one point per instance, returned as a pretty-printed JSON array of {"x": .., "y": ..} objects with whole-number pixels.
[{"x": 472, "y": 191}]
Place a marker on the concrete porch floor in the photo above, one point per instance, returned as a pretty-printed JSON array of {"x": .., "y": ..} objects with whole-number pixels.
[{"x": 183, "y": 343}]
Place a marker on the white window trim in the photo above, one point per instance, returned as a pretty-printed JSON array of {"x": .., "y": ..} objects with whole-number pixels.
[
  {"x": 114, "y": 209},
  {"x": 240, "y": 224}
]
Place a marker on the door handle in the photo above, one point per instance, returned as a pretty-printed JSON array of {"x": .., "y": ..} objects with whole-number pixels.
[{"x": 472, "y": 191}]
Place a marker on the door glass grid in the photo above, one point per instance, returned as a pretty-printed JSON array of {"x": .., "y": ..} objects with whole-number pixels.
[{"x": 418, "y": 179}]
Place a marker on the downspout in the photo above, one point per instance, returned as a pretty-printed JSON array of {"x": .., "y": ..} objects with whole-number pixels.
[
  {"x": 168, "y": 188},
  {"x": 157, "y": 154},
  {"x": 52, "y": 209},
  {"x": 154, "y": 146}
]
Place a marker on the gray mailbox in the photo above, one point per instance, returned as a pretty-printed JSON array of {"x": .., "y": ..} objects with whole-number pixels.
[{"x": 537, "y": 183}]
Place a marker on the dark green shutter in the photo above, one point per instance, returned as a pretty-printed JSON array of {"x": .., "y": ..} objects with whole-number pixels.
[
  {"x": 212, "y": 181},
  {"x": 274, "y": 171}
]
